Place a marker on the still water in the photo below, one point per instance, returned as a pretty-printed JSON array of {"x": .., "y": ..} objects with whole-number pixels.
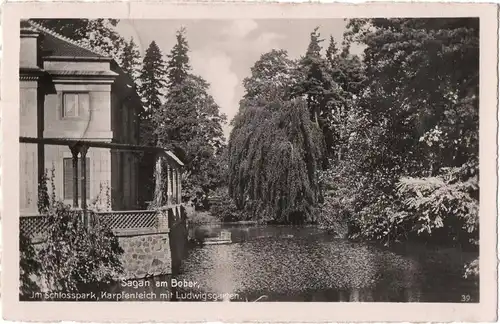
[{"x": 284, "y": 263}]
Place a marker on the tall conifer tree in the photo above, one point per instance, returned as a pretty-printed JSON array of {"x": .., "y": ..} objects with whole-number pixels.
[
  {"x": 190, "y": 124},
  {"x": 178, "y": 65},
  {"x": 152, "y": 82},
  {"x": 152, "y": 79},
  {"x": 131, "y": 59}
]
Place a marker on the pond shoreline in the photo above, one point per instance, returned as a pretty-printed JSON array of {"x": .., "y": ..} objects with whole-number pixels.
[{"x": 204, "y": 218}]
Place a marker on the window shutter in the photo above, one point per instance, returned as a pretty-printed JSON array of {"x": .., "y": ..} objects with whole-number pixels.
[
  {"x": 87, "y": 183},
  {"x": 68, "y": 178}
]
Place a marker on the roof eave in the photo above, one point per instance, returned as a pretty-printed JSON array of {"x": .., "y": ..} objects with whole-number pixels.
[
  {"x": 83, "y": 74},
  {"x": 86, "y": 79},
  {"x": 31, "y": 73},
  {"x": 29, "y": 32},
  {"x": 92, "y": 80},
  {"x": 100, "y": 144},
  {"x": 31, "y": 70},
  {"x": 77, "y": 58},
  {"x": 174, "y": 157}
]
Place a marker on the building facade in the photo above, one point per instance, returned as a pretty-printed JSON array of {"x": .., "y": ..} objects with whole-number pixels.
[{"x": 70, "y": 92}]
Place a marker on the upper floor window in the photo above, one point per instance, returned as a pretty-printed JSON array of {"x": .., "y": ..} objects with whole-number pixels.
[{"x": 75, "y": 104}]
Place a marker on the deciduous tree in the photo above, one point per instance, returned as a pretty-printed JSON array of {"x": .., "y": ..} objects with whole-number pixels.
[
  {"x": 97, "y": 34},
  {"x": 274, "y": 146}
]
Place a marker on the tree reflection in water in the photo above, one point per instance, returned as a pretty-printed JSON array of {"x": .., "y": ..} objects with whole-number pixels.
[{"x": 286, "y": 263}]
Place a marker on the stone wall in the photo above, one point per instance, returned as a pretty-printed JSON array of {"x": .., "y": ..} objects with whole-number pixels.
[
  {"x": 146, "y": 255},
  {"x": 158, "y": 252}
]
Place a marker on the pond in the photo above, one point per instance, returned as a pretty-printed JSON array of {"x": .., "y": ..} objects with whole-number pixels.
[{"x": 285, "y": 263}]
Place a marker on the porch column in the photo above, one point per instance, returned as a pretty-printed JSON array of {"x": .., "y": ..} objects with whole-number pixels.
[
  {"x": 179, "y": 188},
  {"x": 83, "y": 152},
  {"x": 174, "y": 186},
  {"x": 158, "y": 181},
  {"x": 169, "y": 188},
  {"x": 74, "y": 154}
]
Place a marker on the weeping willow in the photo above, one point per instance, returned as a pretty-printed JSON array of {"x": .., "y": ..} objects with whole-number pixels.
[{"x": 274, "y": 152}]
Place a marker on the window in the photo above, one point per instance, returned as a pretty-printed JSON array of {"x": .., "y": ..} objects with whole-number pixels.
[
  {"x": 75, "y": 104},
  {"x": 68, "y": 178}
]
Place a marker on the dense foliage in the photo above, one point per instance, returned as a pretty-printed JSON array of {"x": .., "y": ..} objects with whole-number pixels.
[
  {"x": 72, "y": 257},
  {"x": 223, "y": 208},
  {"x": 420, "y": 110},
  {"x": 29, "y": 267}
]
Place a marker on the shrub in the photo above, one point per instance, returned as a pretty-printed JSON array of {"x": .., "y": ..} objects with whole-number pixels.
[
  {"x": 472, "y": 269},
  {"x": 102, "y": 202},
  {"x": 29, "y": 267},
  {"x": 446, "y": 199},
  {"x": 223, "y": 208},
  {"x": 72, "y": 256}
]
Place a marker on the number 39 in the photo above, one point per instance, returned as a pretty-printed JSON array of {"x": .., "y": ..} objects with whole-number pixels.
[{"x": 465, "y": 298}]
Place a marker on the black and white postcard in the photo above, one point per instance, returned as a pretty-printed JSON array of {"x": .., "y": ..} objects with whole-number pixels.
[{"x": 249, "y": 162}]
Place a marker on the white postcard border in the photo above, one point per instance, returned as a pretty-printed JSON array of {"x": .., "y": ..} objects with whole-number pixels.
[{"x": 242, "y": 312}]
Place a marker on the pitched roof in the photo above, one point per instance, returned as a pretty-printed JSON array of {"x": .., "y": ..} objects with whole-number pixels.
[{"x": 56, "y": 45}]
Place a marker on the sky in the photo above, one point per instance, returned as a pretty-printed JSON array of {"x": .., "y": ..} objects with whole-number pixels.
[{"x": 223, "y": 51}]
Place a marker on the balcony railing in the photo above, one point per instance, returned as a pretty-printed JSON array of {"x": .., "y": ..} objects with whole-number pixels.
[
  {"x": 130, "y": 221},
  {"x": 122, "y": 223},
  {"x": 34, "y": 227}
]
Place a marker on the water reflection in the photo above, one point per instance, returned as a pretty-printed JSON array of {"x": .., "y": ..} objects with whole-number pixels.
[{"x": 281, "y": 263}]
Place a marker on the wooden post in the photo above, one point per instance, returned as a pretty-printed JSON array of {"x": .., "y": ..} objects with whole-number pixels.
[
  {"x": 83, "y": 152},
  {"x": 75, "y": 150},
  {"x": 133, "y": 180},
  {"x": 179, "y": 188},
  {"x": 175, "y": 188},
  {"x": 167, "y": 187},
  {"x": 172, "y": 185},
  {"x": 158, "y": 181}
]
